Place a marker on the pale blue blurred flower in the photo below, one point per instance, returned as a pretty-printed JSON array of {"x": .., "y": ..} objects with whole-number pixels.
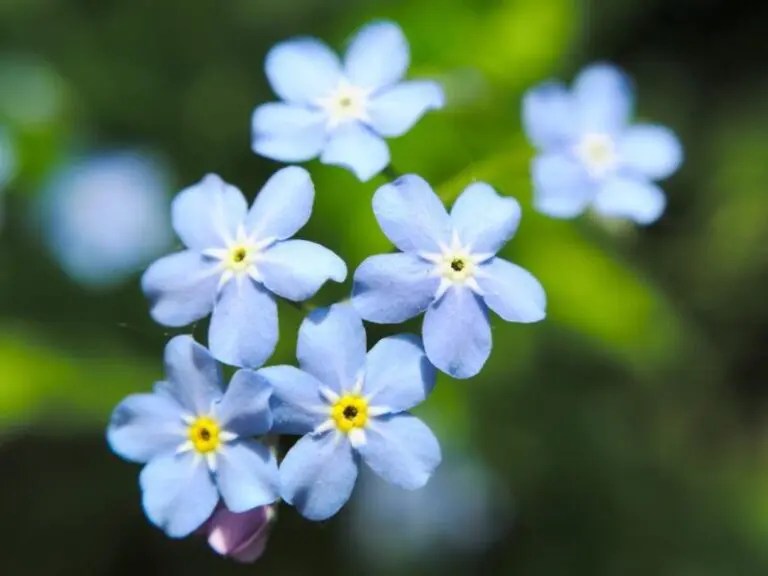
[
  {"x": 590, "y": 155},
  {"x": 7, "y": 158},
  {"x": 237, "y": 260},
  {"x": 448, "y": 268},
  {"x": 105, "y": 217},
  {"x": 341, "y": 111},
  {"x": 349, "y": 406},
  {"x": 196, "y": 440},
  {"x": 465, "y": 510}
]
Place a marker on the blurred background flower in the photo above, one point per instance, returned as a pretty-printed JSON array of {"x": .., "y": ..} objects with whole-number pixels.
[
  {"x": 106, "y": 217},
  {"x": 465, "y": 510}
]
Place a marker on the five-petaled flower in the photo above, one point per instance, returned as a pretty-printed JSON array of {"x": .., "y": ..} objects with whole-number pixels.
[
  {"x": 341, "y": 111},
  {"x": 349, "y": 404},
  {"x": 237, "y": 261},
  {"x": 196, "y": 440},
  {"x": 448, "y": 268},
  {"x": 590, "y": 155}
]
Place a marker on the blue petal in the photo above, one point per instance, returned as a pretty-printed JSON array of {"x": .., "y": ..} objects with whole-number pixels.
[
  {"x": 180, "y": 288},
  {"x": 604, "y": 97},
  {"x": 193, "y": 376},
  {"x": 483, "y": 219},
  {"x": 296, "y": 404},
  {"x": 562, "y": 188},
  {"x": 144, "y": 426},
  {"x": 457, "y": 333},
  {"x": 208, "y": 213},
  {"x": 395, "y": 110},
  {"x": 317, "y": 475},
  {"x": 398, "y": 375},
  {"x": 650, "y": 151},
  {"x": 297, "y": 269},
  {"x": 401, "y": 449},
  {"x": 178, "y": 493},
  {"x": 621, "y": 197},
  {"x": 411, "y": 215},
  {"x": 391, "y": 288},
  {"x": 357, "y": 148},
  {"x": 244, "y": 409},
  {"x": 512, "y": 292},
  {"x": 378, "y": 56},
  {"x": 287, "y": 132},
  {"x": 246, "y": 474},
  {"x": 302, "y": 70},
  {"x": 549, "y": 116},
  {"x": 283, "y": 206},
  {"x": 244, "y": 326},
  {"x": 332, "y": 346}
]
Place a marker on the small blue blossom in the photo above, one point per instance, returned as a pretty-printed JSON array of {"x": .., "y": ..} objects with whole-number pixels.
[
  {"x": 349, "y": 405},
  {"x": 196, "y": 440},
  {"x": 448, "y": 268},
  {"x": 341, "y": 111},
  {"x": 589, "y": 154},
  {"x": 105, "y": 217},
  {"x": 237, "y": 260}
]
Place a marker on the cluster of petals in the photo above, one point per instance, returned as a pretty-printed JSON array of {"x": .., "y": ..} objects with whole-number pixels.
[
  {"x": 341, "y": 111},
  {"x": 237, "y": 261},
  {"x": 589, "y": 153}
]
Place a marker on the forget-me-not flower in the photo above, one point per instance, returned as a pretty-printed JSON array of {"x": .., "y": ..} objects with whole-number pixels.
[
  {"x": 341, "y": 111},
  {"x": 590, "y": 155},
  {"x": 237, "y": 260},
  {"x": 105, "y": 217},
  {"x": 448, "y": 268},
  {"x": 196, "y": 440},
  {"x": 349, "y": 405}
]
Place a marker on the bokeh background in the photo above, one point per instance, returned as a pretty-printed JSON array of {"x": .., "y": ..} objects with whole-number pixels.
[{"x": 625, "y": 435}]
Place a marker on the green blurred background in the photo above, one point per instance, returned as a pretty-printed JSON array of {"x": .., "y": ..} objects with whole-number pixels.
[{"x": 625, "y": 435}]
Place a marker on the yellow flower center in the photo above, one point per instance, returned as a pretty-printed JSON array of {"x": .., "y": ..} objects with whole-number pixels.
[
  {"x": 349, "y": 412},
  {"x": 598, "y": 152},
  {"x": 238, "y": 258},
  {"x": 204, "y": 433},
  {"x": 457, "y": 267}
]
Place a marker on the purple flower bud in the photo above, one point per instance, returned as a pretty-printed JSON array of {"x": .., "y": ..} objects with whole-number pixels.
[{"x": 243, "y": 536}]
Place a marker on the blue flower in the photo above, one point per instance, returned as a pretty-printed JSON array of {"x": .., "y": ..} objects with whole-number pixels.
[
  {"x": 349, "y": 405},
  {"x": 105, "y": 217},
  {"x": 196, "y": 440},
  {"x": 341, "y": 111},
  {"x": 448, "y": 268},
  {"x": 237, "y": 261},
  {"x": 590, "y": 155}
]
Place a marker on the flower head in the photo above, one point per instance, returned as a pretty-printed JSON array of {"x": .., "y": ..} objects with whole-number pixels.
[
  {"x": 105, "y": 217},
  {"x": 196, "y": 440},
  {"x": 448, "y": 267},
  {"x": 589, "y": 154},
  {"x": 242, "y": 536},
  {"x": 237, "y": 260},
  {"x": 346, "y": 404},
  {"x": 341, "y": 111}
]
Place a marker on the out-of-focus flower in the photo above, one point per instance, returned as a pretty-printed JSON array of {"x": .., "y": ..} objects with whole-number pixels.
[
  {"x": 349, "y": 405},
  {"x": 448, "y": 268},
  {"x": 465, "y": 510},
  {"x": 341, "y": 111},
  {"x": 196, "y": 440},
  {"x": 106, "y": 217},
  {"x": 7, "y": 158},
  {"x": 589, "y": 154},
  {"x": 242, "y": 536},
  {"x": 237, "y": 260}
]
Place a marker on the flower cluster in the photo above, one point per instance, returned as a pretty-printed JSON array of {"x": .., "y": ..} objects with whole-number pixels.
[{"x": 210, "y": 455}]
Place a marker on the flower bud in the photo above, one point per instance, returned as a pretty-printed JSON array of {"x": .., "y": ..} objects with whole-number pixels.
[{"x": 242, "y": 536}]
